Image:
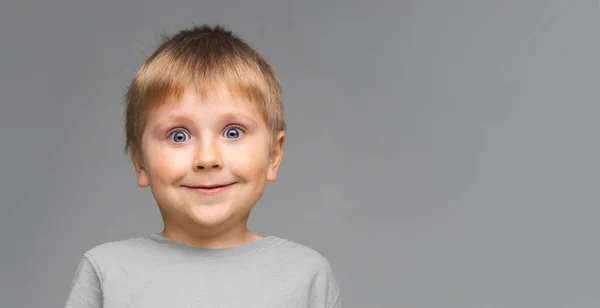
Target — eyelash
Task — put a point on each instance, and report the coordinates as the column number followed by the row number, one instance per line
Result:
column 235, row 126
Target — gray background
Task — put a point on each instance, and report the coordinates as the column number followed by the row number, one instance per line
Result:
column 440, row 153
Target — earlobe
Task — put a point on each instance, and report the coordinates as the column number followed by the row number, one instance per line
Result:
column 142, row 178
column 140, row 171
column 276, row 156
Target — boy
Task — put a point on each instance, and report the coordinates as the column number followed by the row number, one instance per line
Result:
column 205, row 130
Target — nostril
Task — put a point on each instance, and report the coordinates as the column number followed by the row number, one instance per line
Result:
column 216, row 166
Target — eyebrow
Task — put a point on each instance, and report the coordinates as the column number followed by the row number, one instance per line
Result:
column 235, row 115
column 227, row 116
column 177, row 117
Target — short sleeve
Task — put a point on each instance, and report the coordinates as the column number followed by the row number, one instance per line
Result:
column 86, row 288
column 333, row 295
column 325, row 290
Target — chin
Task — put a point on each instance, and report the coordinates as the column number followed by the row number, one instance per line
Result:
column 210, row 216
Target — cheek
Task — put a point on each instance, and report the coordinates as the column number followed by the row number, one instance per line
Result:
column 249, row 163
column 167, row 166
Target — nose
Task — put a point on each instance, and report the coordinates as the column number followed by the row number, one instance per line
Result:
column 207, row 155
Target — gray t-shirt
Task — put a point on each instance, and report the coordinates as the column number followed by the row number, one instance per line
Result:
column 155, row 272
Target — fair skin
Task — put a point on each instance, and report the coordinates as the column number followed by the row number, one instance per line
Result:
column 207, row 163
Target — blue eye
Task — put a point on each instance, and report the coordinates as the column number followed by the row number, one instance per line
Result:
column 233, row 133
column 179, row 136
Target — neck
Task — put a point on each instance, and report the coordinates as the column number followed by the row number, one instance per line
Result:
column 213, row 239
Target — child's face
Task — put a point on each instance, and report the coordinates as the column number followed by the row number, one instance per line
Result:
column 193, row 145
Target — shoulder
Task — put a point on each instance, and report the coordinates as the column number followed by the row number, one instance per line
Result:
column 295, row 252
column 115, row 252
column 302, row 259
column 123, row 246
column 313, row 269
column 95, row 262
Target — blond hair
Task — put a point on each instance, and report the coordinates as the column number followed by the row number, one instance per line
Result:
column 205, row 58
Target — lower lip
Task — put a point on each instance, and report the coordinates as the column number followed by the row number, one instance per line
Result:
column 210, row 191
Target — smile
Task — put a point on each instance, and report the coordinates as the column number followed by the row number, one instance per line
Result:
column 209, row 190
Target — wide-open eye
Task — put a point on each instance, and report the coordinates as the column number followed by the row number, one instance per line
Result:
column 233, row 133
column 179, row 136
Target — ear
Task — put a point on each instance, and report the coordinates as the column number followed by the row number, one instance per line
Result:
column 140, row 171
column 276, row 156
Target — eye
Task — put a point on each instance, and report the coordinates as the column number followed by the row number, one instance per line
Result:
column 233, row 133
column 179, row 136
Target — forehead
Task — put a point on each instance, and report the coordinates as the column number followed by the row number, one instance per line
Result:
column 219, row 100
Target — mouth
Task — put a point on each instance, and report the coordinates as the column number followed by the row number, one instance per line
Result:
column 210, row 189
